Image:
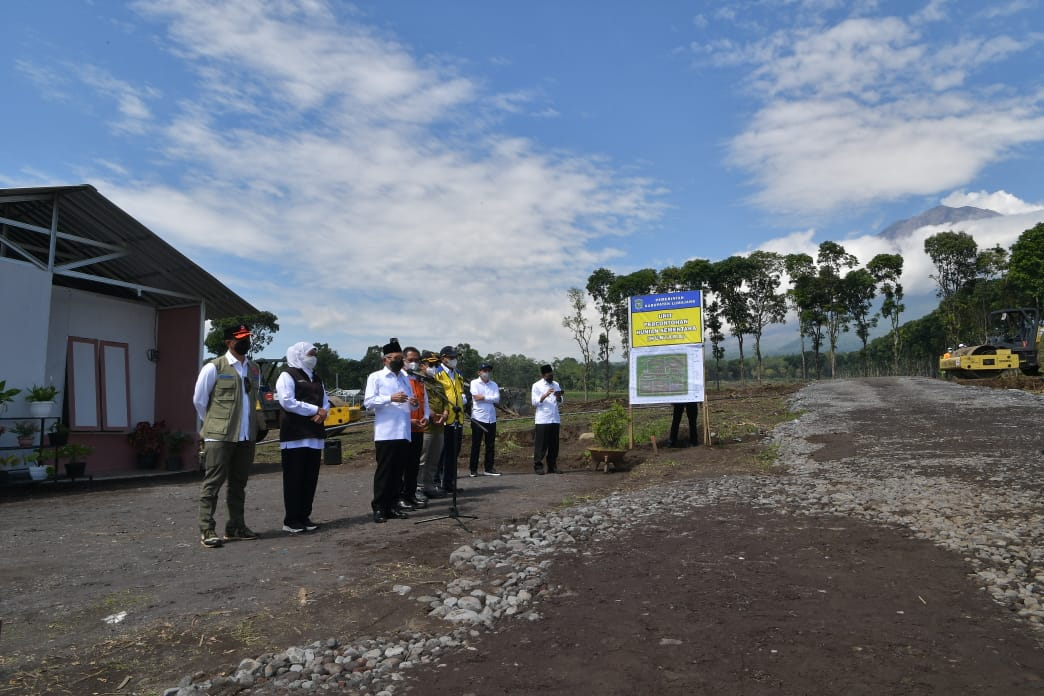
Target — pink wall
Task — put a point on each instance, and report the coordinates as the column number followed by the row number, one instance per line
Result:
column 178, row 365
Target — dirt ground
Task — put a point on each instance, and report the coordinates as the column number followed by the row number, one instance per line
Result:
column 728, row 599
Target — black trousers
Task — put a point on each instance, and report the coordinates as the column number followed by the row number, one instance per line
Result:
column 453, row 435
column 692, row 409
column 478, row 437
column 409, row 475
column 392, row 456
column 545, row 443
column 300, row 478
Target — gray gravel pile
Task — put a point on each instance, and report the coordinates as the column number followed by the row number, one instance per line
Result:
column 985, row 507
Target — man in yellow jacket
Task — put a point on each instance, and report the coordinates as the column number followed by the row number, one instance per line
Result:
column 453, row 385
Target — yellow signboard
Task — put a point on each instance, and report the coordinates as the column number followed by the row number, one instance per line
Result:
column 669, row 319
column 667, row 328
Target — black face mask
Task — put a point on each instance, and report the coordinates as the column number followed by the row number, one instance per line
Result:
column 395, row 365
column 549, row 379
column 242, row 346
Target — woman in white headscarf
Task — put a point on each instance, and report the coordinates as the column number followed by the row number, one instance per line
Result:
column 301, row 435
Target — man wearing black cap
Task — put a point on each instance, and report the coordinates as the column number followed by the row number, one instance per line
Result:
column 546, row 395
column 225, row 398
column 486, row 395
column 453, row 385
column 389, row 396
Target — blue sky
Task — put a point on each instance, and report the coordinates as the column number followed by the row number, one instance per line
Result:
column 444, row 172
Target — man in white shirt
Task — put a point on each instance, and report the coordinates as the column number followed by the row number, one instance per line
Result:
column 389, row 396
column 546, row 395
column 485, row 395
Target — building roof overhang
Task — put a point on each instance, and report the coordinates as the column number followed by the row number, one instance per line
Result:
column 87, row 242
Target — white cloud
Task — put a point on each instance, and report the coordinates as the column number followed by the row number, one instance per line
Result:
column 998, row 201
column 130, row 101
column 870, row 109
column 341, row 182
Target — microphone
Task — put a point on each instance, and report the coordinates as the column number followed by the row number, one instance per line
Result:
column 424, row 376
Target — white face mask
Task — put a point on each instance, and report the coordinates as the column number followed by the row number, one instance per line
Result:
column 430, row 371
column 484, row 376
column 452, row 363
column 310, row 361
column 412, row 366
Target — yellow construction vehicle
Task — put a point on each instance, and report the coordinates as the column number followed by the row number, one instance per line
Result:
column 341, row 412
column 1012, row 341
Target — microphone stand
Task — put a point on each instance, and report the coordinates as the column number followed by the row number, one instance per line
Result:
column 454, row 511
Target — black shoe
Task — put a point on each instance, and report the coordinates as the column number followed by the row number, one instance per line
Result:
column 417, row 503
column 311, row 526
column 240, row 534
column 294, row 528
column 539, row 471
column 398, row 514
column 472, row 474
column 378, row 516
column 552, row 470
column 403, row 505
column 434, row 493
column 491, row 472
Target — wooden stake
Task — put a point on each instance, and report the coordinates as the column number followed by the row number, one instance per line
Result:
column 706, row 425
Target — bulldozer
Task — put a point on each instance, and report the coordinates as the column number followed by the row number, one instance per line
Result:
column 1013, row 339
column 341, row 413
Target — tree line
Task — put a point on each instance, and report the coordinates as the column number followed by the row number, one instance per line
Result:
column 830, row 295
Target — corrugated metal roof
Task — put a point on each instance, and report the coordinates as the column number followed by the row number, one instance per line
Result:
column 101, row 248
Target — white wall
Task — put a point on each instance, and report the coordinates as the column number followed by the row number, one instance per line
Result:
column 87, row 315
column 25, row 298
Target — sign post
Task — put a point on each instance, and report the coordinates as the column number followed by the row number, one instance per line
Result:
column 666, row 359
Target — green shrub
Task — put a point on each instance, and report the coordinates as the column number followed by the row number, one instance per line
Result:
column 610, row 427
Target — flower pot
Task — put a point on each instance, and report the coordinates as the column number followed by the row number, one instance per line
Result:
column 174, row 462
column 40, row 409
column 38, row 473
column 26, row 441
column 147, row 460
column 75, row 469
column 607, row 459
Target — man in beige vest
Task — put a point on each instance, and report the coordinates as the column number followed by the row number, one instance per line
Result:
column 225, row 397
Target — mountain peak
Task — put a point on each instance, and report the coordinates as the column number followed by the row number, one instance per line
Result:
column 939, row 215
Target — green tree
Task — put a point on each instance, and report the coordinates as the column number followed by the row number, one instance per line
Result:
column 263, row 328
column 599, row 284
column 832, row 259
column 859, row 290
column 713, row 325
column 954, row 256
column 1026, row 268
column 581, row 330
column 801, row 269
column 886, row 270
column 765, row 306
column 730, row 275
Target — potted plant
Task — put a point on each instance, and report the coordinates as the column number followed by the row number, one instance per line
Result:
column 41, row 400
column 147, row 441
column 6, row 462
column 57, row 434
column 77, row 459
column 176, row 442
column 610, row 432
column 7, row 395
column 37, row 471
column 26, row 430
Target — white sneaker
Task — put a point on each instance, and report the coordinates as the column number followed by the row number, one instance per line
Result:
column 293, row 530
column 491, row 472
